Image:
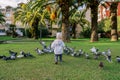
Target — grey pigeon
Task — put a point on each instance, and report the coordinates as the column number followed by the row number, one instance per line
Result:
column 118, row 58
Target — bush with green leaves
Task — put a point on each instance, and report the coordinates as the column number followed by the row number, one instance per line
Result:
column 44, row 33
column 86, row 33
column 104, row 25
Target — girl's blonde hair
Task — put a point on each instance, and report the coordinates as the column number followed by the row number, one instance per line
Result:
column 59, row 35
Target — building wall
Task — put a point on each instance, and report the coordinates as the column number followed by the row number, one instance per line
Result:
column 119, row 9
column 88, row 17
column 9, row 17
column 105, row 12
column 8, row 12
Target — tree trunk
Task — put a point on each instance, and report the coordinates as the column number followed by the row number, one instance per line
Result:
column 113, row 9
column 65, row 20
column 94, row 24
column 74, row 30
column 35, row 29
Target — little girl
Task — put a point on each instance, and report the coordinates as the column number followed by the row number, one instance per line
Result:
column 58, row 46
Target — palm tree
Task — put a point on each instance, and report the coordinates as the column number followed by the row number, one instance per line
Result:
column 62, row 8
column 79, row 18
column 29, row 17
column 93, row 5
column 64, row 5
column 94, row 18
column 113, row 17
column 2, row 20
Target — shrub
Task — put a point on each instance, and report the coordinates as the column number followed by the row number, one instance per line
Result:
column 86, row 33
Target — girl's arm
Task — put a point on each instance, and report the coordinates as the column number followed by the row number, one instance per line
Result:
column 53, row 45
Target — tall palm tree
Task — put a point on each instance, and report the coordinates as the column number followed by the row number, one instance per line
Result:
column 63, row 6
column 93, row 5
column 94, row 18
column 2, row 20
column 68, row 7
column 113, row 17
column 30, row 17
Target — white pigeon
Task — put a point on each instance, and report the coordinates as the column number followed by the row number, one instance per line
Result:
column 104, row 54
column 93, row 50
column 39, row 51
column 21, row 55
column 107, row 55
column 109, row 52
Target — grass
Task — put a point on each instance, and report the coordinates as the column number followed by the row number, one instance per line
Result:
column 42, row 67
column 5, row 38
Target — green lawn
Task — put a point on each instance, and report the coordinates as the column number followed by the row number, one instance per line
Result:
column 42, row 67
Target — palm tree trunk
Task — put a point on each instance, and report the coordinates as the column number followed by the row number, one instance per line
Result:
column 35, row 29
column 113, row 9
column 94, row 24
column 74, row 30
column 65, row 20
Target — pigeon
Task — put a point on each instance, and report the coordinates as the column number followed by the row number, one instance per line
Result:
column 6, row 58
column 74, row 54
column 81, row 52
column 2, row 57
column 12, row 55
column 109, row 55
column 101, row 65
column 66, row 50
column 47, row 50
column 109, row 59
column 87, row 56
column 95, row 56
column 21, row 55
column 43, row 44
column 29, row 54
column 94, row 50
column 39, row 51
column 104, row 54
column 118, row 58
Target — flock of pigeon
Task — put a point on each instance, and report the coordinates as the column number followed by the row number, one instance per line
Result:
column 67, row 50
column 71, row 51
column 96, row 53
column 13, row 55
column 106, row 54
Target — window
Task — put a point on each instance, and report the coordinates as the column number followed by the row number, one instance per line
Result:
column 7, row 10
column 7, row 14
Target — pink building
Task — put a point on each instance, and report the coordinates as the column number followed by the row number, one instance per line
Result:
column 105, row 12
